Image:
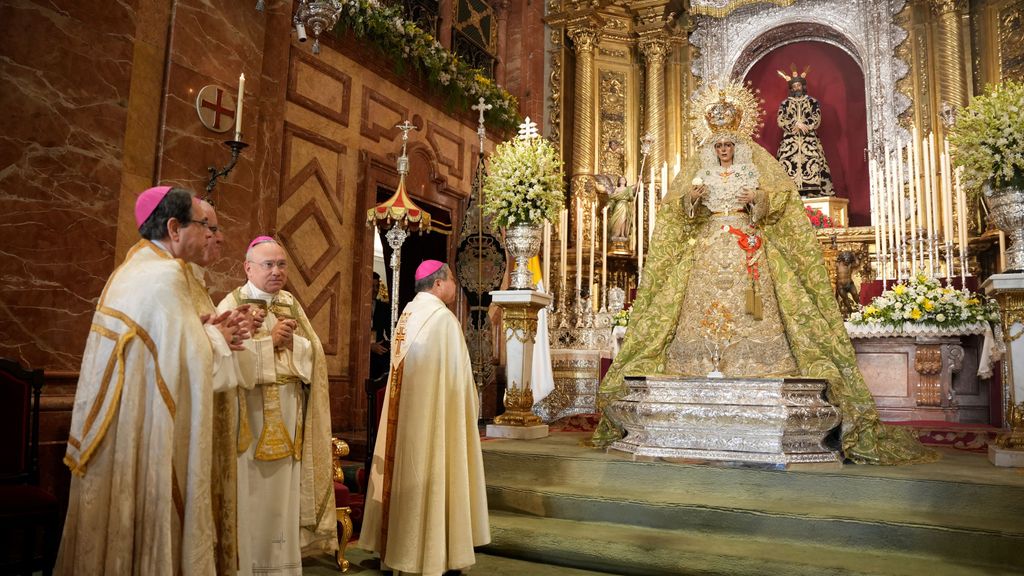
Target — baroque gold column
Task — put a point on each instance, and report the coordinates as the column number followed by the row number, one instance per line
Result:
column 655, row 50
column 584, row 38
column 949, row 69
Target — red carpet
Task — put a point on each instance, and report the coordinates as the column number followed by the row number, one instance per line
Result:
column 973, row 437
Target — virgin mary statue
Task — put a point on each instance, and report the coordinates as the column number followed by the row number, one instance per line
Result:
column 732, row 239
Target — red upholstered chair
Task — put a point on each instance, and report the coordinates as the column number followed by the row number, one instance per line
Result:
column 29, row 517
column 349, row 506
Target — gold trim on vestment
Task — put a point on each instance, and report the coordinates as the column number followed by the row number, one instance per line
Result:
column 391, row 433
column 179, row 502
column 244, row 432
column 274, row 442
column 160, row 383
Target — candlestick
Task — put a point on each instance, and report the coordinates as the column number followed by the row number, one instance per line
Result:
column 962, row 210
column 929, row 199
column 901, row 221
column 238, row 109
column 947, row 192
column 664, row 179
column 887, row 207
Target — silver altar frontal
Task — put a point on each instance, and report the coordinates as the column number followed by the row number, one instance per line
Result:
column 768, row 421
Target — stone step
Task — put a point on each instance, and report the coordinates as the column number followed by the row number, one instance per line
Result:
column 960, row 510
column 637, row 550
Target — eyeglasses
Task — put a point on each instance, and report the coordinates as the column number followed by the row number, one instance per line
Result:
column 269, row 265
column 205, row 223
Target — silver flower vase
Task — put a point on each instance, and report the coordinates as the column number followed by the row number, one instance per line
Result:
column 1006, row 212
column 523, row 242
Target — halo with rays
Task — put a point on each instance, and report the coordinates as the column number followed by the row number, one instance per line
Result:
column 725, row 106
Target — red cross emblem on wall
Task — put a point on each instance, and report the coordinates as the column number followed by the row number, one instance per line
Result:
column 216, row 108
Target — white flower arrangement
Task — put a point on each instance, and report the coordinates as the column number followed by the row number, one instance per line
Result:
column 924, row 301
column 988, row 138
column 524, row 183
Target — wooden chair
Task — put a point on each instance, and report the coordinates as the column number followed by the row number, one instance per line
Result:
column 29, row 517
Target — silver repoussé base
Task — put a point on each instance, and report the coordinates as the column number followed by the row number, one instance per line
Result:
column 1006, row 210
column 773, row 421
column 523, row 242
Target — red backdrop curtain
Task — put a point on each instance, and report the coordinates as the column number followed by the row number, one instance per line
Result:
column 837, row 82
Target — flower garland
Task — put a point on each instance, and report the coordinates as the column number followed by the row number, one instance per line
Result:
column 818, row 218
column 988, row 138
column 524, row 183
column 923, row 300
column 404, row 41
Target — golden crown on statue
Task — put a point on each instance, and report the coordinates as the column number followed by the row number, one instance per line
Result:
column 725, row 107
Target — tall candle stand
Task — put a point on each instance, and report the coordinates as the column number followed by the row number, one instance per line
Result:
column 949, row 262
column 236, row 148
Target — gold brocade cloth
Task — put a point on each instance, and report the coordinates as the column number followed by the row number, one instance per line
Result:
column 809, row 316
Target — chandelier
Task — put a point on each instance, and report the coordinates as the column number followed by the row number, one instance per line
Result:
column 316, row 16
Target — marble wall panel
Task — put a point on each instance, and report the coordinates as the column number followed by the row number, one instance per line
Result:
column 60, row 165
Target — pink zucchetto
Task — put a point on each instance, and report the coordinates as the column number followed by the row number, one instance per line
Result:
column 427, row 267
column 260, row 240
column 147, row 202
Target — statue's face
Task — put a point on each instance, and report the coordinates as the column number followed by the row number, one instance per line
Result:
column 797, row 89
column 724, row 151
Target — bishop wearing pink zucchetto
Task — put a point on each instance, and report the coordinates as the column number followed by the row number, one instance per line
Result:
column 426, row 505
column 285, row 482
column 139, row 445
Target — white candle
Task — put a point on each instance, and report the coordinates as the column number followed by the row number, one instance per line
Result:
column 947, row 195
column 912, row 170
column 579, row 247
column 546, row 270
column 876, row 222
column 238, row 109
column 890, row 220
column 664, row 179
column 901, row 222
column 604, row 257
column 961, row 208
column 929, row 197
column 640, row 232
column 563, row 240
column 593, row 243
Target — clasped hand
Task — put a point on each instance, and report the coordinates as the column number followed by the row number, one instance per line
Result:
column 282, row 333
column 233, row 324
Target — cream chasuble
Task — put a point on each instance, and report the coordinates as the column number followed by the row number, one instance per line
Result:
column 285, row 488
column 139, row 447
column 228, row 375
column 426, row 505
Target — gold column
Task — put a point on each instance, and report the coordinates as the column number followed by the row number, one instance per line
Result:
column 654, row 49
column 949, row 69
column 584, row 38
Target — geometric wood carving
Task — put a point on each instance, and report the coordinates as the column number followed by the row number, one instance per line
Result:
column 379, row 115
column 312, row 152
column 449, row 147
column 329, row 298
column 303, row 234
column 318, row 87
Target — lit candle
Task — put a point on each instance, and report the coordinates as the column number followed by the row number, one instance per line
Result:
column 604, row 257
column 890, row 234
column 947, row 194
column 901, row 222
column 238, row 110
column 579, row 247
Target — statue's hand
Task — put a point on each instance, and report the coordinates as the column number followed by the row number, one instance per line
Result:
column 697, row 191
column 747, row 195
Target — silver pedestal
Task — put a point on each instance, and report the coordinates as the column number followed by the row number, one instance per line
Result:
column 770, row 421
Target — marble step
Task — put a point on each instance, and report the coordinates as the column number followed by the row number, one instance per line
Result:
column 637, row 550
